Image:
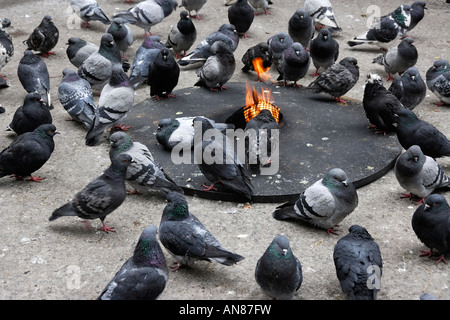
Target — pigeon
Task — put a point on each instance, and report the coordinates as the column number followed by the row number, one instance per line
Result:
column 241, row 15
column 79, row 50
column 417, row 13
column 75, row 95
column 261, row 6
column 359, row 265
column 33, row 75
column 116, row 99
column 438, row 81
column 323, row 14
column 147, row 14
column 182, row 35
column 28, row 152
column 30, row 115
column 122, row 35
column 44, row 37
column 293, row 64
column 323, row 204
column 338, row 79
column 431, row 224
column 163, row 75
column 301, row 27
column 226, row 34
column 428, row 296
column 439, row 67
column 222, row 165
column 411, row 130
column 179, row 132
column 409, row 88
column 89, row 10
column 418, row 174
column 380, row 105
column 398, row 59
column 277, row 44
column 217, row 69
column 144, row 275
column 193, row 5
column 278, row 271
column 386, row 29
column 6, row 44
column 101, row 196
column 257, row 55
column 324, row 50
column 187, row 239
column 145, row 173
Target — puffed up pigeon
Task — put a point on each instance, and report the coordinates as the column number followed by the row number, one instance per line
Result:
column 301, row 27
column 163, row 75
column 241, row 15
column 44, row 37
column 182, row 35
column 324, row 50
column 79, row 50
column 409, row 88
column 293, row 64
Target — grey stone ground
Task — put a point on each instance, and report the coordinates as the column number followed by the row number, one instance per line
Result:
column 60, row 260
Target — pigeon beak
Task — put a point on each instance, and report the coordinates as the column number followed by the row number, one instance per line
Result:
column 325, row 37
column 345, row 183
column 413, row 78
column 285, row 251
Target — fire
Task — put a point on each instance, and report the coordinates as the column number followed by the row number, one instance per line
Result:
column 258, row 65
column 254, row 103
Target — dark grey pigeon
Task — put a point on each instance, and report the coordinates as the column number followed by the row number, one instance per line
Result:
column 338, row 79
column 417, row 13
column 301, row 27
column 359, row 265
column 293, row 64
column 323, row 204
column 324, row 50
column 222, row 165
column 163, row 75
column 75, row 95
column 33, row 75
column 144, row 174
column 44, row 37
column 418, row 174
column 431, row 224
column 79, row 50
column 409, row 88
column 6, row 45
column 187, row 239
column 89, row 10
column 439, row 67
column 28, row 153
column 122, row 35
column 144, row 275
column 278, row 271
column 193, row 5
column 428, row 296
column 380, row 105
column 241, row 15
column 414, row 131
column 441, row 89
column 30, row 115
column 323, row 14
column 277, row 44
column 261, row 6
column 259, row 51
column 101, row 196
column 182, row 35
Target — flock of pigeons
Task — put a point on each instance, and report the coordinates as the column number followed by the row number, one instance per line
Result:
column 105, row 70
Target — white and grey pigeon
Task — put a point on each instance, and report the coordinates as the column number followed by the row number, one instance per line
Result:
column 418, row 174
column 439, row 67
column 182, row 35
column 122, row 35
column 6, row 44
column 323, row 204
column 417, row 13
column 79, row 50
column 89, row 10
column 187, row 239
column 277, row 44
column 144, row 275
column 75, row 95
column 241, row 15
column 323, row 14
column 261, row 6
column 193, row 5
column 409, row 88
column 301, row 27
column 44, row 37
column 359, row 264
column 438, row 81
column 144, row 174
column 293, row 64
column 398, row 59
column 278, row 271
column 324, row 50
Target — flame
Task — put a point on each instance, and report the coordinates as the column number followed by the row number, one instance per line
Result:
column 263, row 74
column 254, row 103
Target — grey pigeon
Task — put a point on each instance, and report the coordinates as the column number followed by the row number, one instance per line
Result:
column 428, row 296
column 222, row 165
column 301, row 27
column 30, row 115
column 398, row 59
column 277, row 44
column 144, row 275
column 359, row 265
column 323, row 204
column 418, row 174
column 218, row 68
column 261, row 6
column 409, row 88
column 163, row 75
column 323, row 14
column 116, row 99
column 6, row 44
column 193, row 5
column 278, row 271
column 144, row 173
column 182, row 35
column 438, row 81
column 324, row 50
column 417, row 13
column 122, row 35
column 293, row 64
column 338, row 79
column 28, row 153
column 33, row 75
column 147, row 14
column 380, row 105
column 187, row 239
column 79, row 50
column 439, row 67
column 101, row 196
column 89, row 10
column 44, row 37
column 260, row 52
column 414, row 131
column 241, row 15
column 75, row 95
column 431, row 224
